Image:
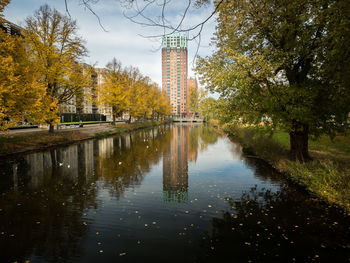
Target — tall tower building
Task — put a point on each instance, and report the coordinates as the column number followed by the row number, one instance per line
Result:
column 174, row 71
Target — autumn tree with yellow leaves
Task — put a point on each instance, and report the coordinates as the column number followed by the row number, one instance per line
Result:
column 21, row 94
column 126, row 90
column 56, row 50
column 114, row 90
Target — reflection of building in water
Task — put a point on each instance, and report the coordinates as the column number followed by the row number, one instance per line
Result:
column 175, row 167
column 69, row 162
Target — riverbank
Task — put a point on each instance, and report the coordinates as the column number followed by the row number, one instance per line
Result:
column 32, row 141
column 327, row 176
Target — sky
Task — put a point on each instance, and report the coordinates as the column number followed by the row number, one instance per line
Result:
column 123, row 39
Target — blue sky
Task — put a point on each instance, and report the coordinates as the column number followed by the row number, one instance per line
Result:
column 123, row 39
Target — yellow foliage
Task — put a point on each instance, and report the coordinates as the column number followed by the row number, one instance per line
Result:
column 19, row 87
column 126, row 90
column 55, row 49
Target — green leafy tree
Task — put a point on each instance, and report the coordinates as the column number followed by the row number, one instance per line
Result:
column 208, row 108
column 193, row 101
column 288, row 61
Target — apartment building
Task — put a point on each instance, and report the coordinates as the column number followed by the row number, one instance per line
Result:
column 174, row 71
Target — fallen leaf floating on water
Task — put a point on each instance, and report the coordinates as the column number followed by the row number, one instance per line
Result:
column 122, row 254
column 84, row 223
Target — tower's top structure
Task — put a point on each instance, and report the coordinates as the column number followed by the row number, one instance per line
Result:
column 174, row 40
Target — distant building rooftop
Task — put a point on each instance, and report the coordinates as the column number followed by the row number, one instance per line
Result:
column 174, row 40
column 10, row 28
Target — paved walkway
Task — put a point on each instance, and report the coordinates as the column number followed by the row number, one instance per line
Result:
column 87, row 129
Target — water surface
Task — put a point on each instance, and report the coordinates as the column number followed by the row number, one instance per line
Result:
column 171, row 194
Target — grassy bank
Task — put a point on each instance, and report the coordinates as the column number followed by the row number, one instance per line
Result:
column 327, row 175
column 19, row 143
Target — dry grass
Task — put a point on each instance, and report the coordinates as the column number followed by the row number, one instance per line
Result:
column 13, row 143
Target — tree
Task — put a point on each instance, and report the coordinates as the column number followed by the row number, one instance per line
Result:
column 3, row 4
column 56, row 49
column 208, row 108
column 193, row 101
column 20, row 92
column 114, row 91
column 137, row 91
column 285, row 60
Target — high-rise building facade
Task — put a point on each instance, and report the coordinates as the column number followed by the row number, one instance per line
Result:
column 174, row 71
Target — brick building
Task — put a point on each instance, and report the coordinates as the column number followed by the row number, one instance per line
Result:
column 174, row 71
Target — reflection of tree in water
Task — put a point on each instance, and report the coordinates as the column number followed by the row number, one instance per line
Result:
column 44, row 220
column 208, row 136
column 283, row 226
column 133, row 156
column 193, row 143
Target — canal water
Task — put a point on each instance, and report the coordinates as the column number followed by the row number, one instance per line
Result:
column 177, row 193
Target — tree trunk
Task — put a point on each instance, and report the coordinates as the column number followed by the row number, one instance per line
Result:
column 114, row 112
column 51, row 128
column 129, row 119
column 299, row 143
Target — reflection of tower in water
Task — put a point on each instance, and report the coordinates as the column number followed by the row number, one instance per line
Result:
column 175, row 167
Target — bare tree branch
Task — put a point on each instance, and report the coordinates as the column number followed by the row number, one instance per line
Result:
column 153, row 23
column 66, row 5
column 149, row 22
column 87, row 5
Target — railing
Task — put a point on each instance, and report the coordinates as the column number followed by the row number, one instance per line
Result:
column 186, row 119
